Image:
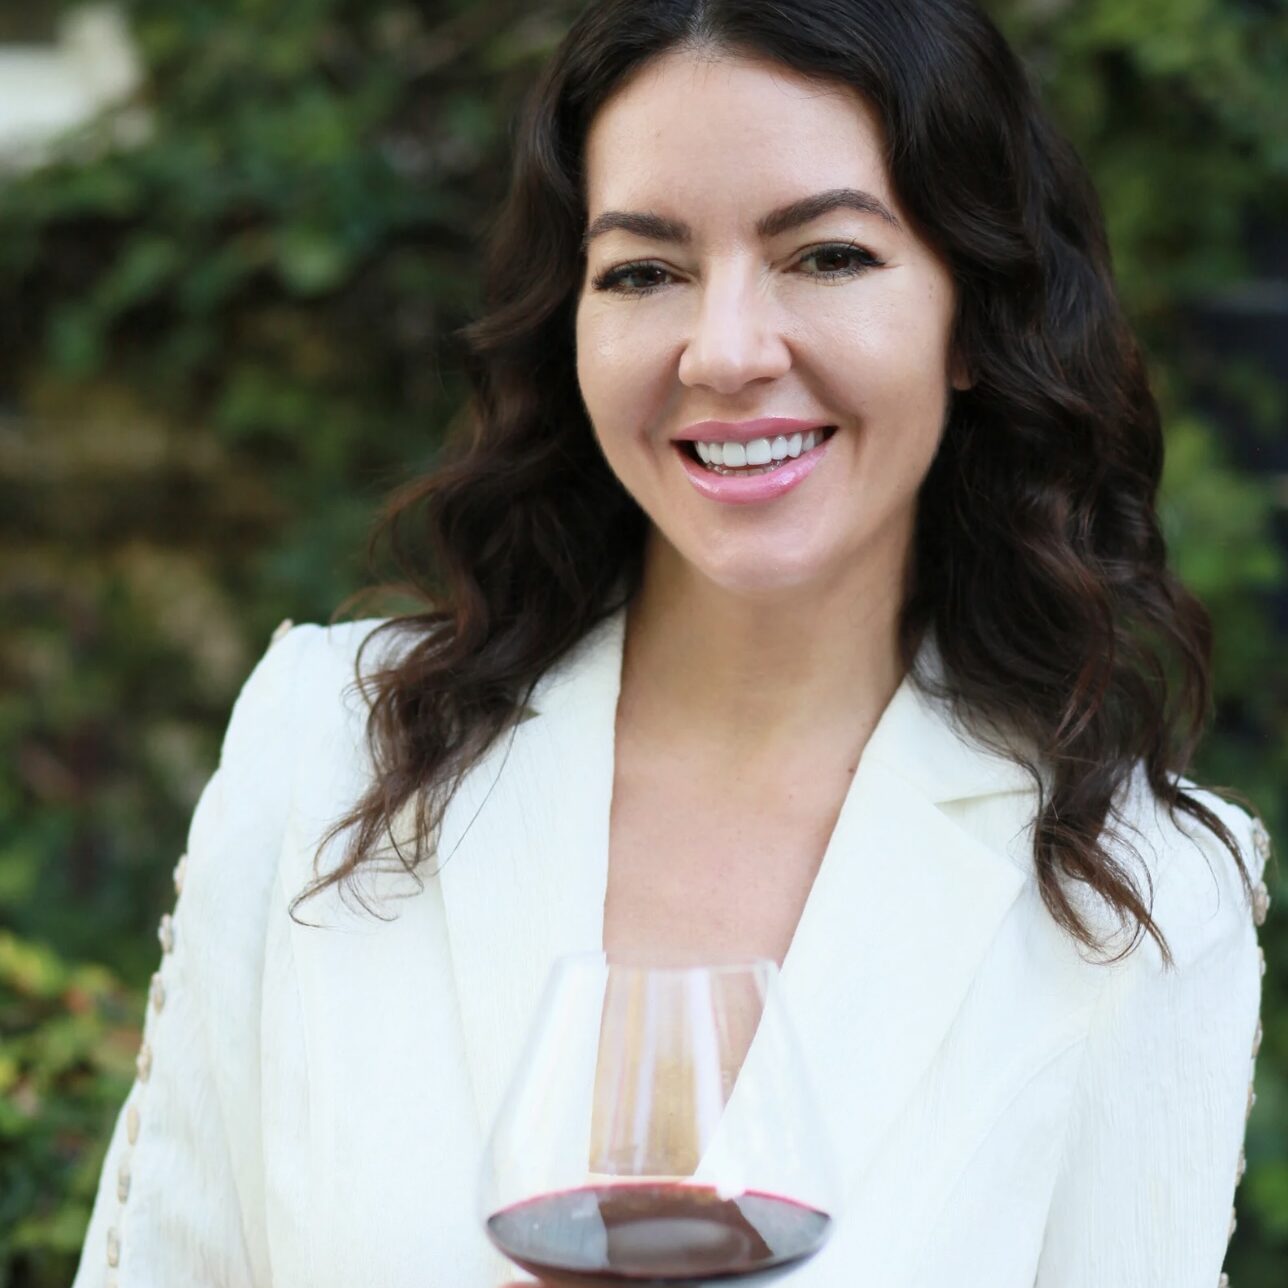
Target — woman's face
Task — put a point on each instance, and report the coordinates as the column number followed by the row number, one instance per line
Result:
column 840, row 320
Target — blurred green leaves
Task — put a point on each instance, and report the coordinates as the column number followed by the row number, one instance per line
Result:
column 65, row 1068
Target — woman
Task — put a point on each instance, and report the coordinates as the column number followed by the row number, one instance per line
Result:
column 894, row 689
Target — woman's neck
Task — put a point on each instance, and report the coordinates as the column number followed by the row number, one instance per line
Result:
column 758, row 681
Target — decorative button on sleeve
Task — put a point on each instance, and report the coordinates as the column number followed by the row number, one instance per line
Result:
column 1261, row 840
column 1260, row 903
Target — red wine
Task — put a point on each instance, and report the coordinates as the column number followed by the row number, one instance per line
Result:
column 657, row 1233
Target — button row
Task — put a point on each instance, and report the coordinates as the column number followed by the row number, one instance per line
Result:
column 143, row 1068
column 143, row 1062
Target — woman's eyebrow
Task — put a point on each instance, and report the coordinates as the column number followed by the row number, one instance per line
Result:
column 660, row 228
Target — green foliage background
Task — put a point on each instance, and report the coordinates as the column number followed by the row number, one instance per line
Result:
column 223, row 323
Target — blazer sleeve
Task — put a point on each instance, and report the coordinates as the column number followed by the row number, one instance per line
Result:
column 1154, row 1152
column 179, row 1200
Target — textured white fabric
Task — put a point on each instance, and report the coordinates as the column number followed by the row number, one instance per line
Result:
column 1006, row 1113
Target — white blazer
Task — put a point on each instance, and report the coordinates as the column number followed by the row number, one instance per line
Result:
column 311, row 1104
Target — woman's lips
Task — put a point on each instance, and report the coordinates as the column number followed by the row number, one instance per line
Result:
column 732, row 489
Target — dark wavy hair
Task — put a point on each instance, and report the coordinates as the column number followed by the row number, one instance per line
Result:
column 1039, row 565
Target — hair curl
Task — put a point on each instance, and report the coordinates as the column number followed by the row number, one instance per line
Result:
column 1039, row 564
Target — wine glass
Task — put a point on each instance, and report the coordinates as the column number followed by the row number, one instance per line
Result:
column 659, row 1128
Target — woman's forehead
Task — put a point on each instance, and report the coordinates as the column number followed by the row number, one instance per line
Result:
column 687, row 131
column 761, row 104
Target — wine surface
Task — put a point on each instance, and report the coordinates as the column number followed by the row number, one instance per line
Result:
column 657, row 1233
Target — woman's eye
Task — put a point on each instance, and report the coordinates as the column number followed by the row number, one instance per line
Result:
column 854, row 260
column 859, row 258
column 612, row 280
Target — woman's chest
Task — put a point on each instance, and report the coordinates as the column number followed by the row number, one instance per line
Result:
column 697, row 868
column 939, row 1015
column 700, row 865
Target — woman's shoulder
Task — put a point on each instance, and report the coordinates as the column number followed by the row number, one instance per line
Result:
column 296, row 735
column 303, row 702
column 313, row 668
column 1187, row 874
column 324, row 653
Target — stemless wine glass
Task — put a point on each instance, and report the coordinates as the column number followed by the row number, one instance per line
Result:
column 659, row 1128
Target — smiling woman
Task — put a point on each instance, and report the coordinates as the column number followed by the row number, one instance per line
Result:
column 796, row 593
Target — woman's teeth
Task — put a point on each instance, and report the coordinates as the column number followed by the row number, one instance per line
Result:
column 759, row 455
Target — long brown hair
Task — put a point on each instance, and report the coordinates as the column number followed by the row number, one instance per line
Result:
column 1039, row 564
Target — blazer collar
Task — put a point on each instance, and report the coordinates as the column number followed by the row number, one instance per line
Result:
column 903, row 907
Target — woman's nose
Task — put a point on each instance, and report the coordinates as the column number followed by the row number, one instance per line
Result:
column 736, row 336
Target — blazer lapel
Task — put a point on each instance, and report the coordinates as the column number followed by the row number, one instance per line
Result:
column 902, row 909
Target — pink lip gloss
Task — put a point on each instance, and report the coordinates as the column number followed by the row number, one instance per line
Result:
column 733, row 490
